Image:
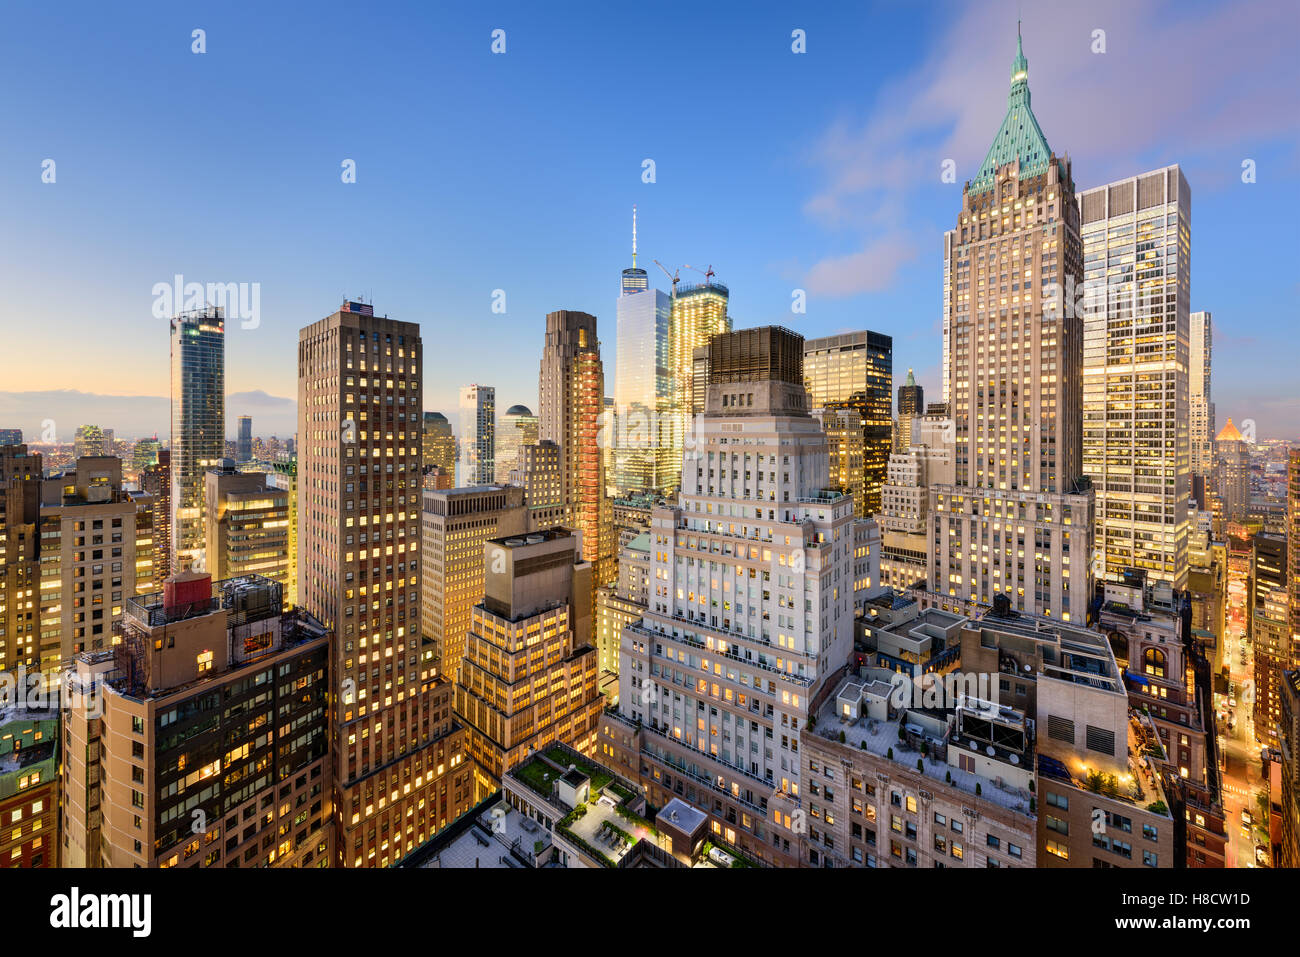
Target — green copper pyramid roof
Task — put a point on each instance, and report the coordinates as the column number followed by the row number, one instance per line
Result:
column 1019, row 137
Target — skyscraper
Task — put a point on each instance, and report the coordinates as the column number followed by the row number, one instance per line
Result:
column 755, row 532
column 911, row 403
column 455, row 524
column 87, row 516
column 284, row 476
column 1232, row 478
column 359, row 573
column 1136, row 236
column 478, row 419
column 156, row 480
column 439, row 443
column 642, row 383
column 1203, row 425
column 244, row 443
column 855, row 370
column 572, row 387
column 518, row 428
column 198, row 405
column 699, row 312
column 1014, row 522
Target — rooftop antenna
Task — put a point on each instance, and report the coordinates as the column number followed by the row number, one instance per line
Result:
column 634, row 235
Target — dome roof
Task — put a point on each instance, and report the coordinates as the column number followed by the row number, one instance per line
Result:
column 519, row 410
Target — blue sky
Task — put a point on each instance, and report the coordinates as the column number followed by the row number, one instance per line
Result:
column 478, row 172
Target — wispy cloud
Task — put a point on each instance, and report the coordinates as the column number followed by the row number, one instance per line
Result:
column 1173, row 85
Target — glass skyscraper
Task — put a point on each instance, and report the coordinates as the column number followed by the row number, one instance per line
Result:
column 856, row 371
column 198, row 405
column 642, row 385
column 1136, row 237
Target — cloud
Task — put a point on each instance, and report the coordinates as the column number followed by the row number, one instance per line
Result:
column 1172, row 86
column 872, row 269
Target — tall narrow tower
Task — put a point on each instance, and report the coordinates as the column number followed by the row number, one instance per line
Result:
column 400, row 773
column 198, row 396
column 1015, row 523
column 1136, row 236
column 642, row 383
column 572, row 390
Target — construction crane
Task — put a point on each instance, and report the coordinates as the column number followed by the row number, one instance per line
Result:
column 707, row 273
column 671, row 275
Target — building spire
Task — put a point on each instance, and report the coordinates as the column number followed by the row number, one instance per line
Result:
column 1019, row 66
column 634, row 235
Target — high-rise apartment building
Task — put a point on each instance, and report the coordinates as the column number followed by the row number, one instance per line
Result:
column 156, row 481
column 455, row 524
column 149, row 780
column 246, row 525
column 518, row 428
column 572, row 404
column 911, row 403
column 643, row 384
column 244, row 440
column 750, row 606
column 1201, row 401
column 855, row 370
column 438, row 443
column 198, row 409
column 528, row 677
column 1136, row 236
column 478, row 435
column 1232, row 473
column 97, row 550
column 21, row 644
column 699, row 312
column 1015, row 522
column 360, row 398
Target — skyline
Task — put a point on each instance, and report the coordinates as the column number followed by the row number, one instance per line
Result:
column 868, row 257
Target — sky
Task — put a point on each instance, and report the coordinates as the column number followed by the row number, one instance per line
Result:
column 517, row 171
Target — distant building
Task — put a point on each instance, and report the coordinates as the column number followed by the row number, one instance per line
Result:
column 198, row 402
column 518, row 427
column 855, row 371
column 244, row 442
column 478, row 416
column 911, row 403
column 1232, row 472
column 438, row 443
column 1203, row 427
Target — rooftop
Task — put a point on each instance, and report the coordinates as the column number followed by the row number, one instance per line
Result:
column 879, row 737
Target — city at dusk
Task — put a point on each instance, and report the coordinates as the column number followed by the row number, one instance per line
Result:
column 587, row 437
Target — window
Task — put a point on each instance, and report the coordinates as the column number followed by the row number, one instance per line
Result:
column 1058, row 849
